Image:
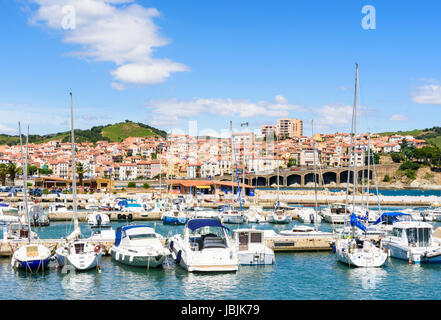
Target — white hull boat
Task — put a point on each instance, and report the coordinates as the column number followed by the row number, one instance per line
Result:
column 412, row 241
column 204, row 246
column 279, row 217
column 80, row 254
column 255, row 215
column 359, row 253
column 251, row 248
column 305, row 231
column 138, row 246
column 98, row 219
column 31, row 257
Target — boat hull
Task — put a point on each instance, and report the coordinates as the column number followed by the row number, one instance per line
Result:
column 371, row 257
column 134, row 260
column 174, row 220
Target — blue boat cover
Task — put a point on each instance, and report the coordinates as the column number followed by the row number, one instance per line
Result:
column 356, row 223
column 124, row 228
column 391, row 217
column 4, row 205
column 199, row 223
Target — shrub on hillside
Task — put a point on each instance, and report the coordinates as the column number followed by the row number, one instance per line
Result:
column 131, row 184
column 409, row 165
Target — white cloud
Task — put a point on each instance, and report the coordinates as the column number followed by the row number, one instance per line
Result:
column 153, row 73
column 398, row 117
column 343, row 88
column 221, row 107
column 338, row 115
column 280, row 99
column 6, row 130
column 118, row 31
column 428, row 93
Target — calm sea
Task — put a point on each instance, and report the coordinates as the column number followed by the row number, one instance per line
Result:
column 314, row 275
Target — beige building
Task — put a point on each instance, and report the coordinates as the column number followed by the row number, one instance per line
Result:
column 289, row 128
column 267, row 129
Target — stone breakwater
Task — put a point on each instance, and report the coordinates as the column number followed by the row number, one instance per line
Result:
column 327, row 197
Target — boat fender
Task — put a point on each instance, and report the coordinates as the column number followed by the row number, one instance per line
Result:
column 130, row 217
column 171, row 245
column 97, row 248
column 178, row 257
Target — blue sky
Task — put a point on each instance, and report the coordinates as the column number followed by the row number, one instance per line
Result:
column 166, row 62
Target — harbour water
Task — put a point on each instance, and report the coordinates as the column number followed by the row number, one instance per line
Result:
column 312, row 275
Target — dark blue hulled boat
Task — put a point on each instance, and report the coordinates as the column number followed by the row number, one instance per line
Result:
column 174, row 217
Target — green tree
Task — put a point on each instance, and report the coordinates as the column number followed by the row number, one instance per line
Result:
column 12, row 171
column 386, row 178
column 131, row 184
column 3, row 173
column 146, row 185
column 32, row 170
column 397, row 157
column 291, row 162
column 80, row 172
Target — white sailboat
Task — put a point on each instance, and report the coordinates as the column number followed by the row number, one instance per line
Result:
column 360, row 251
column 81, row 254
column 31, row 257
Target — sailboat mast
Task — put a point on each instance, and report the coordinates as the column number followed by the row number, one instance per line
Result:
column 369, row 170
column 355, row 138
column 351, row 143
column 231, row 166
column 315, row 173
column 24, row 164
column 74, row 168
column 278, row 170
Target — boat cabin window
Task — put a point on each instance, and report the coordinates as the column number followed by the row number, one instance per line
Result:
column 142, row 236
column 217, row 231
column 397, row 232
column 79, row 248
column 418, row 237
column 256, row 237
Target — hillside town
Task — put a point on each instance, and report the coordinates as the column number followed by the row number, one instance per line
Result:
column 183, row 156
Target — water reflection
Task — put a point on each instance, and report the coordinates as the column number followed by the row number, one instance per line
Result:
column 80, row 285
column 368, row 278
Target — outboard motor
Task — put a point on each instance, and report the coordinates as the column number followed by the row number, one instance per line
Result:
column 311, row 217
column 36, row 218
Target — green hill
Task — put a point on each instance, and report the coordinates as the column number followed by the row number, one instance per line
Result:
column 431, row 135
column 123, row 130
column 112, row 132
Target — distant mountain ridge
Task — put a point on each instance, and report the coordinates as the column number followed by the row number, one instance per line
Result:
column 112, row 132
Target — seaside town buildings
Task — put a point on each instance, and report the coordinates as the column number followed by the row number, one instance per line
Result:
column 184, row 156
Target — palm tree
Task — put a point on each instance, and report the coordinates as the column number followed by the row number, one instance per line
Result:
column 3, row 173
column 80, row 172
column 12, row 171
